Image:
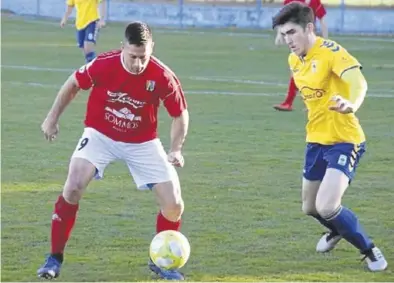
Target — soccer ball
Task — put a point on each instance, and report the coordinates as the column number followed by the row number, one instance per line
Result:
column 169, row 250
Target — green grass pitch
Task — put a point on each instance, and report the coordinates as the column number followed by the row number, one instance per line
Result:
column 242, row 179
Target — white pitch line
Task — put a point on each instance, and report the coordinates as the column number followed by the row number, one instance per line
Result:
column 33, row 84
column 37, row 68
column 241, row 81
column 195, row 78
column 44, row 85
column 265, row 35
column 213, row 31
column 253, row 82
column 211, row 92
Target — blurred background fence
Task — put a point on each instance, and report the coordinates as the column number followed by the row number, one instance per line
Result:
column 343, row 16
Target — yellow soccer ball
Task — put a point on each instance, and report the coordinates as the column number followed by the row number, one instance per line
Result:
column 169, row 250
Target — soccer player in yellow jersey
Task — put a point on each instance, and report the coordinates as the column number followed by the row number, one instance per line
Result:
column 333, row 88
column 88, row 21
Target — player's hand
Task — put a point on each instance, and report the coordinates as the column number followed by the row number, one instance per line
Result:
column 176, row 158
column 341, row 105
column 50, row 128
column 63, row 22
column 101, row 23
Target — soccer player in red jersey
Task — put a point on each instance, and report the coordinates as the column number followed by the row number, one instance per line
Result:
column 126, row 89
column 320, row 13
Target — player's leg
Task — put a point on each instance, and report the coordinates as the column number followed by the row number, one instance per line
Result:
column 169, row 198
column 287, row 105
column 88, row 160
column 342, row 162
column 80, row 36
column 314, row 170
column 150, row 169
column 89, row 45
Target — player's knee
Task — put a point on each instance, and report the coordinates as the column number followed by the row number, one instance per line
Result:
column 329, row 197
column 173, row 210
column 73, row 190
column 170, row 199
column 309, row 208
column 326, row 208
column 81, row 172
column 309, row 192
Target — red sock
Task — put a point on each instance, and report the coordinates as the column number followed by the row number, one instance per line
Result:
column 164, row 224
column 291, row 92
column 63, row 220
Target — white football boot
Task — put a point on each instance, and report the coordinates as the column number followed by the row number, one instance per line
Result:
column 327, row 242
column 375, row 260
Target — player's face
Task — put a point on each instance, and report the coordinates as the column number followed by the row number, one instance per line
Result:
column 296, row 37
column 136, row 58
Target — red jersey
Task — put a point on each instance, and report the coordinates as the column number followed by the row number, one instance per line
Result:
column 123, row 106
column 316, row 6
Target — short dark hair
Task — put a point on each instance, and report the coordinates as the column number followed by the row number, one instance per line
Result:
column 294, row 12
column 138, row 33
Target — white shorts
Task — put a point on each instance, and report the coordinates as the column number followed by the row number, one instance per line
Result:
column 147, row 161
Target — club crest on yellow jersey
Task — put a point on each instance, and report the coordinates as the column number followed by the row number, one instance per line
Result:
column 314, row 66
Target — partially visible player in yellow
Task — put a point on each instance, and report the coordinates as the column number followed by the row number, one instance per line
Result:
column 333, row 88
column 88, row 21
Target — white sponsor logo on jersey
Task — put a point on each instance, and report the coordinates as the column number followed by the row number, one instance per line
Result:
column 122, row 97
column 122, row 119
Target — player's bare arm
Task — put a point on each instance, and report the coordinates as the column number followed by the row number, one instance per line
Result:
column 66, row 15
column 358, row 88
column 66, row 94
column 179, row 128
column 103, row 12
